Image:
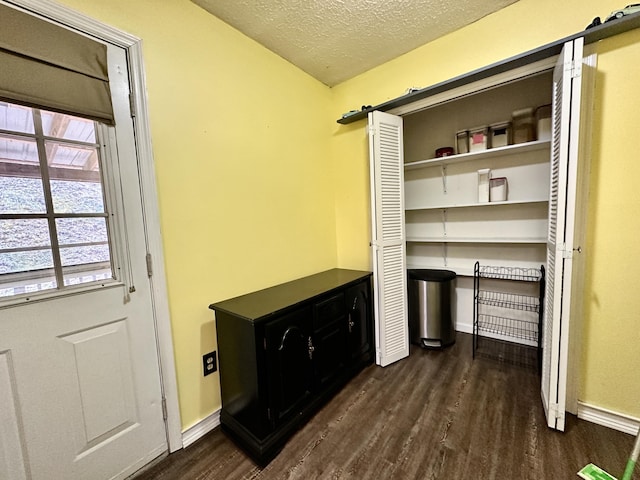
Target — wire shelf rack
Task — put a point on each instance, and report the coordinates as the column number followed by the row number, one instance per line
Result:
column 508, row 300
column 508, row 319
column 510, row 273
column 508, row 327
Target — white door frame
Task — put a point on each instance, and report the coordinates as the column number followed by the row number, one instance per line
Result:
column 133, row 45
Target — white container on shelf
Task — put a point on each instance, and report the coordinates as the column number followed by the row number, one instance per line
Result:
column 543, row 122
column 483, row 185
column 498, row 189
column 462, row 142
column 478, row 139
column 500, row 134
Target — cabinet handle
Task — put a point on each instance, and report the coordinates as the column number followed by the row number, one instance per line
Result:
column 289, row 331
column 351, row 323
column 311, row 349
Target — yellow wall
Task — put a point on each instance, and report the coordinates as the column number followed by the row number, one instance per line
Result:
column 611, row 353
column 609, row 375
column 243, row 170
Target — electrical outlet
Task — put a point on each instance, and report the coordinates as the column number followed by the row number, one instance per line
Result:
column 209, row 363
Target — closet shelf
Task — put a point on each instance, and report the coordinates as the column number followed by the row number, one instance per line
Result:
column 507, row 300
column 489, row 153
column 522, row 240
column 510, row 273
column 460, row 271
column 508, row 327
column 476, row 204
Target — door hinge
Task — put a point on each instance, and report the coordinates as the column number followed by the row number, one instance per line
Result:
column 372, row 130
column 574, row 68
column 554, row 412
column 565, row 252
column 149, row 265
column 164, row 409
column 132, row 106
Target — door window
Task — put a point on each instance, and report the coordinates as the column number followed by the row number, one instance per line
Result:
column 54, row 225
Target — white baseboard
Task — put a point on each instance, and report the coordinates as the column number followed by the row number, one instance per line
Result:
column 607, row 418
column 464, row 327
column 200, row 429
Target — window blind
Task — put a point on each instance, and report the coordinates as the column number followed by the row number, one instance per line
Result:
column 49, row 66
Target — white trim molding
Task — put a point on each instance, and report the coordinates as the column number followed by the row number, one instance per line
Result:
column 105, row 33
column 200, row 429
column 608, row 418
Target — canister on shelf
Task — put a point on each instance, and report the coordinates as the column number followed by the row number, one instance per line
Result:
column 543, row 122
column 500, row 134
column 498, row 189
column 523, row 130
column 478, row 139
column 462, row 141
column 483, row 185
column 444, row 152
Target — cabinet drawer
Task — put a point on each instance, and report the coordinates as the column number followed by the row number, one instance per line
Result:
column 328, row 310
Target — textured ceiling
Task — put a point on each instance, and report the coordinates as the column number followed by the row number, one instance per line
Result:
column 334, row 40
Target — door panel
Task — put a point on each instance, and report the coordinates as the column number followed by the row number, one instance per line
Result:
column 567, row 93
column 83, row 364
column 329, row 352
column 12, row 452
column 102, row 359
column 388, row 232
column 358, row 306
column 288, row 362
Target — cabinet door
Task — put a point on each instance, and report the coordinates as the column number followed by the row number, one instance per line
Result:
column 289, row 370
column 358, row 300
column 329, row 339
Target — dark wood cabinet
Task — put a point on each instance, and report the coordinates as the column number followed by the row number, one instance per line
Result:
column 285, row 350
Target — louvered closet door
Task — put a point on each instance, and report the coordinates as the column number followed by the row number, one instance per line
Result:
column 389, row 249
column 564, row 162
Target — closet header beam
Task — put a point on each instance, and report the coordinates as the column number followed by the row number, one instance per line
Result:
column 591, row 35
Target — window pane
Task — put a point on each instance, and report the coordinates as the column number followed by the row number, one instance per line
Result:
column 16, row 236
column 21, row 195
column 26, row 262
column 23, row 234
column 73, row 231
column 74, row 157
column 16, row 150
column 77, row 197
column 15, row 118
column 20, row 283
column 70, row 128
column 85, row 264
column 84, row 250
column 14, row 262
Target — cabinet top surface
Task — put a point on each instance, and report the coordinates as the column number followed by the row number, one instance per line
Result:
column 256, row 305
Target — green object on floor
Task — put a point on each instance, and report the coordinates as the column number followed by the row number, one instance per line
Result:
column 631, row 464
column 593, row 472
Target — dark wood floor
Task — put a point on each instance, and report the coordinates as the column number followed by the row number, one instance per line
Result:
column 435, row 415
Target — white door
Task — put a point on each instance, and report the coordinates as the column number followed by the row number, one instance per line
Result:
column 388, row 242
column 567, row 90
column 80, row 394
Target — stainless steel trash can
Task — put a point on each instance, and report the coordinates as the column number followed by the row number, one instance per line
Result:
column 431, row 293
